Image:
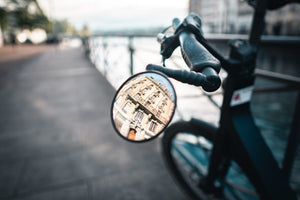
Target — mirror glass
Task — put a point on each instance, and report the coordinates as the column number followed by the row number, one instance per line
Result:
column 143, row 106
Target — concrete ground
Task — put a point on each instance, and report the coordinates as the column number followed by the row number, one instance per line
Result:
column 56, row 138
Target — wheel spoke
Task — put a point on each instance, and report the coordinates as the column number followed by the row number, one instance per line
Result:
column 233, row 187
column 188, row 154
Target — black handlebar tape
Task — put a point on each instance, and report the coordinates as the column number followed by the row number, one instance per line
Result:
column 189, row 77
column 196, row 56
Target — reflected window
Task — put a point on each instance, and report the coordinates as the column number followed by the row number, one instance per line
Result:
column 139, row 116
column 128, row 90
column 148, row 103
column 158, row 113
column 153, row 126
column 137, row 96
column 119, row 120
column 119, row 100
column 126, row 108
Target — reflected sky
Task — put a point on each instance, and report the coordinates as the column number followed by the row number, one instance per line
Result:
column 115, row 14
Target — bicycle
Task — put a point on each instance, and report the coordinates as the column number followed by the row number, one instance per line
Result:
column 205, row 160
column 236, row 139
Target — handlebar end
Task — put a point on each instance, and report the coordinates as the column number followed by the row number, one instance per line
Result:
column 213, row 79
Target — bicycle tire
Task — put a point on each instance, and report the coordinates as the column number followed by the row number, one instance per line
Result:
column 170, row 133
column 202, row 131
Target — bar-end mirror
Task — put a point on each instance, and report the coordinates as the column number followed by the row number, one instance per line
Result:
column 143, row 106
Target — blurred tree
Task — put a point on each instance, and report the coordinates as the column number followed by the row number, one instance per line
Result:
column 30, row 21
column 27, row 14
column 60, row 26
column 3, row 18
column 22, row 14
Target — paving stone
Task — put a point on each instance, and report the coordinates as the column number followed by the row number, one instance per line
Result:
column 57, row 141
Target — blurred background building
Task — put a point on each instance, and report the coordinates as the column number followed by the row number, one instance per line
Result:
column 36, row 21
column 235, row 16
column 24, row 21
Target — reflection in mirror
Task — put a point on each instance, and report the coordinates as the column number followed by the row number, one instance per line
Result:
column 143, row 106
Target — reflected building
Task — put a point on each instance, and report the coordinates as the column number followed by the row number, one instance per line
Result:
column 142, row 108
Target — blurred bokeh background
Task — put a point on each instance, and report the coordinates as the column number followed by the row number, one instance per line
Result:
column 61, row 62
column 32, row 20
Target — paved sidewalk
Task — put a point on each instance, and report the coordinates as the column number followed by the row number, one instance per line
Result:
column 13, row 53
column 56, row 138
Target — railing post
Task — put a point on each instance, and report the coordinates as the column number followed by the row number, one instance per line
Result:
column 292, row 142
column 131, row 51
column 105, row 62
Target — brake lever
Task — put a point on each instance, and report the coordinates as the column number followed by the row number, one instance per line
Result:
column 168, row 45
column 192, row 24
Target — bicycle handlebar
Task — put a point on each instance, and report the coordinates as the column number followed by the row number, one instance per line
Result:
column 196, row 56
column 188, row 36
column 209, row 80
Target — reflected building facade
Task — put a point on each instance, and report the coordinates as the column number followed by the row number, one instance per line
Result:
column 142, row 108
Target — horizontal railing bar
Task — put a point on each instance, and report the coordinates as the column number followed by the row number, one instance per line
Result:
column 275, row 89
column 291, row 80
column 266, row 39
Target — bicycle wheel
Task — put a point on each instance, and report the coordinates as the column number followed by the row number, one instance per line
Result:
column 187, row 149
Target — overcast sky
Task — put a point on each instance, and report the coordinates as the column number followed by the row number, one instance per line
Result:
column 115, row 14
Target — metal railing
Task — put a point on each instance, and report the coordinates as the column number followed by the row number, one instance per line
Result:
column 290, row 83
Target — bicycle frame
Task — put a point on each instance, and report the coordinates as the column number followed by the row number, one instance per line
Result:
column 238, row 135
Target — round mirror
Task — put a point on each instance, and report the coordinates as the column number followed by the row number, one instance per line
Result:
column 143, row 106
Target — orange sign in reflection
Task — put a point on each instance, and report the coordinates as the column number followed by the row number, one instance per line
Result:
column 131, row 135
